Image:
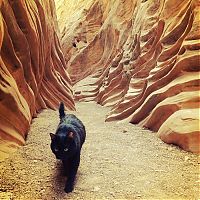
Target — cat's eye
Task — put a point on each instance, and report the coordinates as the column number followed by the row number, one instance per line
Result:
column 56, row 150
column 66, row 149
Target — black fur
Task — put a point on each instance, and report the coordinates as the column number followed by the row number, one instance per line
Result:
column 66, row 144
column 62, row 110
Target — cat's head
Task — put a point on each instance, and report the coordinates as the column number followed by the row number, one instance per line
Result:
column 62, row 145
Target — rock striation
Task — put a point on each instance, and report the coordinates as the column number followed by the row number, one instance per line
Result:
column 141, row 58
column 32, row 68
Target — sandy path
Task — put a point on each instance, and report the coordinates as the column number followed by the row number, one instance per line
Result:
column 118, row 162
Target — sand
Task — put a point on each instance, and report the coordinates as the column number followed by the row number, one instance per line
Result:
column 118, row 161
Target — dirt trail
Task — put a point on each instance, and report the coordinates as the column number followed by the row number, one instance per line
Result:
column 118, row 161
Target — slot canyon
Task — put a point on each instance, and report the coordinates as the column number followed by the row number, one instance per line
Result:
column 129, row 69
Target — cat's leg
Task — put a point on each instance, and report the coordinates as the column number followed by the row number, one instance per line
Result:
column 66, row 165
column 73, row 167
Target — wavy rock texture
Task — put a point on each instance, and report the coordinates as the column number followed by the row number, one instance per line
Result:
column 32, row 68
column 139, row 57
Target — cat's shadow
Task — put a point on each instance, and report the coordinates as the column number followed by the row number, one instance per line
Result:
column 59, row 179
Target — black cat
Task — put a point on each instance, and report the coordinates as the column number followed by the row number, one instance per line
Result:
column 66, row 144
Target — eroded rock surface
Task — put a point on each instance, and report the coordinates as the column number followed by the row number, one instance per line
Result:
column 141, row 58
column 32, row 67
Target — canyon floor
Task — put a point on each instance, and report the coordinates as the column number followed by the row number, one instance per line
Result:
column 118, row 161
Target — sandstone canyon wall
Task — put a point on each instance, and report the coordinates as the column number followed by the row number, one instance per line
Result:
column 139, row 57
column 32, row 67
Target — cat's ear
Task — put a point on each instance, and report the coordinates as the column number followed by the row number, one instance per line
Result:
column 52, row 136
column 71, row 135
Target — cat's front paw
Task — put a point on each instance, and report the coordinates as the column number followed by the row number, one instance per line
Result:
column 69, row 188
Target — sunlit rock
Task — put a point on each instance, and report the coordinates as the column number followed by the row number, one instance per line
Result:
column 32, row 68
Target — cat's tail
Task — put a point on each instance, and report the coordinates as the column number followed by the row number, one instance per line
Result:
column 62, row 110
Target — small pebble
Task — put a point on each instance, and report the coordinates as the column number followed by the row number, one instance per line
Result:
column 96, row 188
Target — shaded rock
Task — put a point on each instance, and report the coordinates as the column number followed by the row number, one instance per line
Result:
column 158, row 87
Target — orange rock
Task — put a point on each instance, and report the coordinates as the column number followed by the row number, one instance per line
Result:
column 142, row 59
column 32, row 68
